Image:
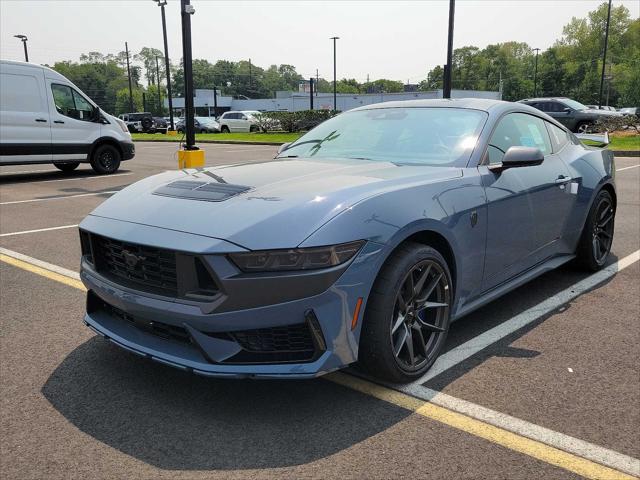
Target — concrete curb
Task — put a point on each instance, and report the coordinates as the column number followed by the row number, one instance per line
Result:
column 224, row 142
column 626, row 153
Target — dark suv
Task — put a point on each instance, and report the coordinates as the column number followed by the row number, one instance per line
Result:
column 574, row 115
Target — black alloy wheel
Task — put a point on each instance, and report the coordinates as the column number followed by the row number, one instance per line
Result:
column 407, row 315
column 106, row 159
column 597, row 236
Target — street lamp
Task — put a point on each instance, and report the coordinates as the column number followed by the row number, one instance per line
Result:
column 446, row 81
column 604, row 55
column 335, row 99
column 24, row 44
column 161, row 4
column 158, row 86
column 535, row 75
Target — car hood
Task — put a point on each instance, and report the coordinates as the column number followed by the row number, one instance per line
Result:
column 274, row 204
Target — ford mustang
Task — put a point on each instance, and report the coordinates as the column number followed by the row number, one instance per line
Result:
column 361, row 242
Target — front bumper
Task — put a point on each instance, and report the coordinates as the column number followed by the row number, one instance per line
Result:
column 128, row 150
column 326, row 309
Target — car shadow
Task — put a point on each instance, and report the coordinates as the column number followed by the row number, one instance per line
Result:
column 8, row 178
column 179, row 421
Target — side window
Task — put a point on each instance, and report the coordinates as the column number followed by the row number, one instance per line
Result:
column 70, row 103
column 555, row 107
column 559, row 138
column 542, row 106
column 518, row 129
column 224, row 116
column 242, row 116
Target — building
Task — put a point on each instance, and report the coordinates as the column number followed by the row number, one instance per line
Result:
column 207, row 105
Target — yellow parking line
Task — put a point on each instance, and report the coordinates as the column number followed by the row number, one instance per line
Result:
column 512, row 441
column 71, row 282
column 499, row 436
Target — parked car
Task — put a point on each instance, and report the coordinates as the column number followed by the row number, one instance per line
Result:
column 44, row 118
column 629, row 111
column 602, row 107
column 139, row 122
column 362, row 241
column 244, row 121
column 574, row 115
column 160, row 125
column 201, row 125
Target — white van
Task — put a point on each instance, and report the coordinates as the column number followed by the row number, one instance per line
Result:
column 44, row 118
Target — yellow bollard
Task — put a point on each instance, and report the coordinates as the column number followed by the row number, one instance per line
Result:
column 190, row 159
column 172, row 133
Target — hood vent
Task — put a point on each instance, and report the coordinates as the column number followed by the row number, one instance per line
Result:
column 205, row 191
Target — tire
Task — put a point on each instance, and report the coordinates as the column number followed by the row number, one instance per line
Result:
column 67, row 166
column 106, row 159
column 597, row 235
column 399, row 344
column 146, row 123
column 224, row 129
column 583, row 127
column 254, row 128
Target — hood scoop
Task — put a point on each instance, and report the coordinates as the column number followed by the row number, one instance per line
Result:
column 197, row 190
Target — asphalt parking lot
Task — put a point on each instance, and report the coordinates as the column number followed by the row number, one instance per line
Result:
column 544, row 383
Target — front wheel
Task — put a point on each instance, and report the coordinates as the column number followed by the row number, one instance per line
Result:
column 583, row 127
column 67, row 166
column 224, row 129
column 597, row 235
column 408, row 315
column 106, row 159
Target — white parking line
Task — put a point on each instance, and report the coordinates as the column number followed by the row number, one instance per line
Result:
column 627, row 168
column 40, row 263
column 59, row 197
column 28, row 171
column 104, row 177
column 36, row 231
column 462, row 352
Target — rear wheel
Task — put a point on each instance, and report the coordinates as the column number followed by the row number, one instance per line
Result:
column 106, row 159
column 408, row 315
column 597, row 235
column 67, row 166
column 254, row 128
column 583, row 127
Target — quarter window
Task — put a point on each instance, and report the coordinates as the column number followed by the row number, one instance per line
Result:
column 559, row 138
column 518, row 129
column 70, row 103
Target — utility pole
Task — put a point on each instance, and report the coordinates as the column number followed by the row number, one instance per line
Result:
column 144, row 101
column 535, row 75
column 191, row 156
column 249, row 74
column 158, row 87
column 604, row 55
column 126, row 49
column 335, row 85
column 311, row 93
column 317, row 81
column 215, row 101
column 24, row 39
column 161, row 4
column 446, row 87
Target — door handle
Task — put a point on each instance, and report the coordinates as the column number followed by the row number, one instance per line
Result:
column 41, row 120
column 58, row 121
column 562, row 179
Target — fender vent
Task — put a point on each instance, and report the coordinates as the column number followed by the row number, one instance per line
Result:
column 205, row 191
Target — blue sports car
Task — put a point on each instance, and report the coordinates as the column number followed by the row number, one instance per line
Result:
column 360, row 242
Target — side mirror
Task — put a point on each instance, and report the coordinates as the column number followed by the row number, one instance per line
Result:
column 566, row 110
column 518, row 156
column 283, row 147
column 95, row 115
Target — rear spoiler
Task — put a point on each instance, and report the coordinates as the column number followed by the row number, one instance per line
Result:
column 602, row 139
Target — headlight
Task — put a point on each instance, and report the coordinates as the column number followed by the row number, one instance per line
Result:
column 297, row 258
column 122, row 125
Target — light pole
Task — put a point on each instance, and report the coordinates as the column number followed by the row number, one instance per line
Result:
column 446, row 82
column 161, row 4
column 126, row 49
column 24, row 44
column 158, row 87
column 604, row 55
column 335, row 96
column 535, row 75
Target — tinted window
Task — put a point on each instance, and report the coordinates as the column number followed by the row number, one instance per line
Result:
column 20, row 93
column 70, row 103
column 554, row 107
column 559, row 137
column 542, row 106
column 418, row 136
column 518, row 129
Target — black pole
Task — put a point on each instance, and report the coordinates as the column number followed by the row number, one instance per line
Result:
column 604, row 55
column 446, row 87
column 126, row 48
column 26, row 53
column 311, row 93
column 144, row 102
column 335, row 85
column 215, row 101
column 535, row 75
column 185, row 11
column 158, row 87
column 249, row 74
column 166, row 65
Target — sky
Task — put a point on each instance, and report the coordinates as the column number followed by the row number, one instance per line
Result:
column 399, row 40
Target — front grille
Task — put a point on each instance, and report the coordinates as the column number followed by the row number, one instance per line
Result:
column 159, row 329
column 290, row 338
column 149, row 269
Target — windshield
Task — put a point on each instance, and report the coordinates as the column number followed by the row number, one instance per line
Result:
column 573, row 104
column 419, row 136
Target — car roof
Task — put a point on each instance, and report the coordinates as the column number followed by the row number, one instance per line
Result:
column 484, row 104
column 543, row 99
